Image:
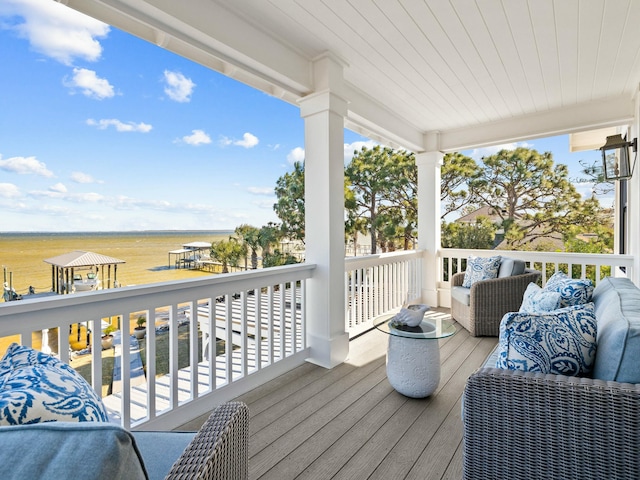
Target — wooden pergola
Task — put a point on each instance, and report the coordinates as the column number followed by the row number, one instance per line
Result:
column 63, row 269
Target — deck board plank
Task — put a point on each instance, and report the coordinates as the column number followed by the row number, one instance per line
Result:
column 349, row 423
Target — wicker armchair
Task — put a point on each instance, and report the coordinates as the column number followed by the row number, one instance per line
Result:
column 489, row 300
column 521, row 425
column 100, row 450
column 219, row 451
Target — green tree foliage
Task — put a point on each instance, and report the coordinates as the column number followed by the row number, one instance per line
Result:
column 599, row 240
column 277, row 258
column 532, row 196
column 268, row 238
column 480, row 234
column 382, row 181
column 456, row 177
column 594, row 173
column 354, row 224
column 227, row 252
column 289, row 205
column 249, row 236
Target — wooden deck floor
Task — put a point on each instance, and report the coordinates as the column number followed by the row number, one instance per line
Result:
column 349, row 423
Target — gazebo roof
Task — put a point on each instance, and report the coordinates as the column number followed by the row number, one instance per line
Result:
column 80, row 258
column 195, row 245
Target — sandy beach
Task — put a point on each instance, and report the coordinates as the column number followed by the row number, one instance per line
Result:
column 145, row 253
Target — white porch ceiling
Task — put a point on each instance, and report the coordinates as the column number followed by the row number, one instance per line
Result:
column 417, row 73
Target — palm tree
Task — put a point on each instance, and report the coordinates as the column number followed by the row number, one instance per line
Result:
column 268, row 237
column 250, row 237
column 227, row 252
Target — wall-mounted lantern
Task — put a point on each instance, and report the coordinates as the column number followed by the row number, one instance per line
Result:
column 615, row 157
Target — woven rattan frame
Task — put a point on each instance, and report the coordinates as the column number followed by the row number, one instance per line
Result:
column 219, row 451
column 520, row 425
column 489, row 301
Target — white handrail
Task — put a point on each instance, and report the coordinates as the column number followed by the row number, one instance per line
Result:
column 377, row 284
column 258, row 316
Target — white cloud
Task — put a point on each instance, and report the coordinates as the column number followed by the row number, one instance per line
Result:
column 120, row 126
column 260, row 190
column 178, row 87
column 349, row 148
column 55, row 30
column 268, row 204
column 25, row 166
column 88, row 197
column 58, row 188
column 296, row 155
column 478, row 153
column 248, row 141
column 80, row 177
column 9, row 190
column 90, row 84
column 197, row 137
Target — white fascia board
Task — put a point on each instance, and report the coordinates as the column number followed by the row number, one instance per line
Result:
column 212, row 32
column 609, row 112
column 369, row 118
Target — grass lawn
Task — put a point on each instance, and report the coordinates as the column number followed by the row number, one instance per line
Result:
column 83, row 363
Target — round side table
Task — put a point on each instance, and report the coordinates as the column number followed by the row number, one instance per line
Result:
column 413, row 354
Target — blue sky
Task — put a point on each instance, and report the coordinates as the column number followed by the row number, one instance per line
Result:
column 101, row 131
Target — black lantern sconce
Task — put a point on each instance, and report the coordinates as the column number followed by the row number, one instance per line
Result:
column 615, row 157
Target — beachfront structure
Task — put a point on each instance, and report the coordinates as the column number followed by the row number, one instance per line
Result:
column 430, row 76
column 80, row 271
column 189, row 254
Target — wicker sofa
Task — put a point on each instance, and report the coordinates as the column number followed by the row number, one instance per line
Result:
column 98, row 450
column 523, row 425
column 480, row 308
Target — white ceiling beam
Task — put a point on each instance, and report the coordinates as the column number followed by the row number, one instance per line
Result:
column 209, row 29
column 369, row 118
column 607, row 112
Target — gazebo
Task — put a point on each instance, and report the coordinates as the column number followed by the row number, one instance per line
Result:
column 66, row 279
column 186, row 255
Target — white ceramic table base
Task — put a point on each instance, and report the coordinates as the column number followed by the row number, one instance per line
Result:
column 413, row 366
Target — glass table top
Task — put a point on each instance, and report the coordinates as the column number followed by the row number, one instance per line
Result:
column 430, row 328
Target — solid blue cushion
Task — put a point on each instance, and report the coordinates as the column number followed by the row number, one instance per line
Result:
column 68, row 450
column 37, row 387
column 160, row 450
column 479, row 268
column 510, row 267
column 617, row 303
column 561, row 342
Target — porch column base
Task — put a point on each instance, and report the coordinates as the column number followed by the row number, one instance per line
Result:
column 328, row 352
column 430, row 297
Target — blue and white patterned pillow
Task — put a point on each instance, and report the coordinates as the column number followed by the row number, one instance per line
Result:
column 479, row 268
column 561, row 342
column 537, row 300
column 572, row 291
column 36, row 387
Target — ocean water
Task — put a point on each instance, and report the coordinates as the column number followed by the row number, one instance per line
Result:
column 145, row 253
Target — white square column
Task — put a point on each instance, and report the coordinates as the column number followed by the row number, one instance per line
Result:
column 324, row 114
column 429, row 165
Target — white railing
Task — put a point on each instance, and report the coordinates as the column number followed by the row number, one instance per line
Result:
column 377, row 284
column 213, row 335
column 581, row 265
